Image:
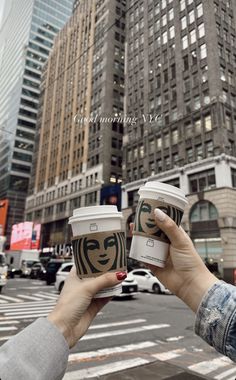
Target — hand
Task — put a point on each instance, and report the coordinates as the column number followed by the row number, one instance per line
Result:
column 76, row 308
column 185, row 274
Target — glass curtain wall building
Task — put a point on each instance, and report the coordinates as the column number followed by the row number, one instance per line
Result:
column 27, row 33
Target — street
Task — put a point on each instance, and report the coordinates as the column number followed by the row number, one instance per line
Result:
column 126, row 334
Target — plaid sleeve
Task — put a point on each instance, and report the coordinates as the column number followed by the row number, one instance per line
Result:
column 216, row 319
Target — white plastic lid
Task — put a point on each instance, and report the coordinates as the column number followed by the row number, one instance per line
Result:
column 163, row 188
column 95, row 212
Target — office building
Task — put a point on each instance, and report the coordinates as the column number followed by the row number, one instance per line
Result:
column 79, row 156
column 28, row 28
column 180, row 85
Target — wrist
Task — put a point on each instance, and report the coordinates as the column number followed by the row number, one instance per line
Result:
column 193, row 292
column 61, row 326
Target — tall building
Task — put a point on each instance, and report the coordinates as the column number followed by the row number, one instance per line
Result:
column 79, row 156
column 28, row 28
column 181, row 88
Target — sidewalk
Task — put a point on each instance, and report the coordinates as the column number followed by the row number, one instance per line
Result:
column 154, row 371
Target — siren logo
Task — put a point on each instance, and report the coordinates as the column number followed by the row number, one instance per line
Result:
column 145, row 224
column 98, row 253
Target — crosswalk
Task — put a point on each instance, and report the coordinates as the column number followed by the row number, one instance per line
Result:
column 173, row 350
column 135, row 349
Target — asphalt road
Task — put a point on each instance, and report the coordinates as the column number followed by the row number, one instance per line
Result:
column 126, row 334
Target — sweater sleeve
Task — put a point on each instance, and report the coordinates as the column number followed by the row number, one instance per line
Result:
column 216, row 319
column 38, row 352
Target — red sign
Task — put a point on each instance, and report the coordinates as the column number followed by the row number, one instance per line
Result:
column 3, row 215
column 25, row 236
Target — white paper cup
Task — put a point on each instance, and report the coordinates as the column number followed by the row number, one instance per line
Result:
column 98, row 244
column 149, row 244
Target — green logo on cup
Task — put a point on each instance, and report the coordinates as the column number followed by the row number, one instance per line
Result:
column 99, row 253
column 145, row 224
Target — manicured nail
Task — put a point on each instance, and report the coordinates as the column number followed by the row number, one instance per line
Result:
column 121, row 275
column 160, row 215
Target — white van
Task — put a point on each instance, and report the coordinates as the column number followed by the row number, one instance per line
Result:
column 16, row 259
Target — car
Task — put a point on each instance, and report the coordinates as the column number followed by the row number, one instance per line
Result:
column 61, row 275
column 38, row 271
column 26, row 267
column 51, row 270
column 147, row 281
column 129, row 287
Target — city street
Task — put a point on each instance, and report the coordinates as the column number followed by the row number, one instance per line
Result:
column 126, row 334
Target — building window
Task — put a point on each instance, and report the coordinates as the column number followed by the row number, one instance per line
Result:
column 199, row 152
column 191, row 17
column 209, row 149
column 203, row 51
column 182, row 5
column 233, row 171
column 183, row 22
column 184, row 42
column 201, row 30
column 228, row 122
column 202, row 181
column 189, row 155
column 199, row 10
column 197, row 126
column 203, row 211
column 207, row 123
column 175, row 136
column 193, row 36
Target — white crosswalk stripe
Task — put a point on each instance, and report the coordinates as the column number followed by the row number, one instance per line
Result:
column 31, row 298
column 224, row 374
column 208, row 366
column 7, row 298
column 105, row 369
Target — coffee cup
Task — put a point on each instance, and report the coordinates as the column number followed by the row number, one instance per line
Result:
column 149, row 243
column 98, row 244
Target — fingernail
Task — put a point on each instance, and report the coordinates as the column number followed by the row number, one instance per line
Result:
column 160, row 215
column 121, row 275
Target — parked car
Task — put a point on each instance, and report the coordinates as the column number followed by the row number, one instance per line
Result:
column 26, row 266
column 129, row 287
column 147, row 281
column 61, row 275
column 51, row 270
column 38, row 271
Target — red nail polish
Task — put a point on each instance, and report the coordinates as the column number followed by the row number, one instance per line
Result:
column 121, row 275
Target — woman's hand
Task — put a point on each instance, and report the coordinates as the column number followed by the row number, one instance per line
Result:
column 76, row 308
column 185, row 274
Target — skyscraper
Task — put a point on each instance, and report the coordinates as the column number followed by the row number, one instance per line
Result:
column 181, row 64
column 27, row 32
column 79, row 155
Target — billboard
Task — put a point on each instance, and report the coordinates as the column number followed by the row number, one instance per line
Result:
column 3, row 215
column 25, row 235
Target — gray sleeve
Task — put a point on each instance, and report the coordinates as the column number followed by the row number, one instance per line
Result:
column 216, row 318
column 39, row 352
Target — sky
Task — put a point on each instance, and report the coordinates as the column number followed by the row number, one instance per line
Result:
column 1, row 9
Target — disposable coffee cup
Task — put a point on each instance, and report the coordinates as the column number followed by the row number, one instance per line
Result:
column 98, row 244
column 149, row 243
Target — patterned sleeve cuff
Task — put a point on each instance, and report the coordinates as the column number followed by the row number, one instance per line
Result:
column 216, row 318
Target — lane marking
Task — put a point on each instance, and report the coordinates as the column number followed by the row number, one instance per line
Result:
column 10, row 298
column 50, row 297
column 6, row 337
column 174, row 338
column 225, row 374
column 168, row 355
column 105, row 325
column 1, row 301
column 122, row 332
column 43, row 309
column 9, row 322
column 104, row 369
column 26, row 304
column 8, row 328
column 24, row 316
column 109, row 351
column 31, row 298
column 208, row 366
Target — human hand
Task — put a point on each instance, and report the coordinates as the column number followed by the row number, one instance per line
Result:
column 185, row 274
column 76, row 308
